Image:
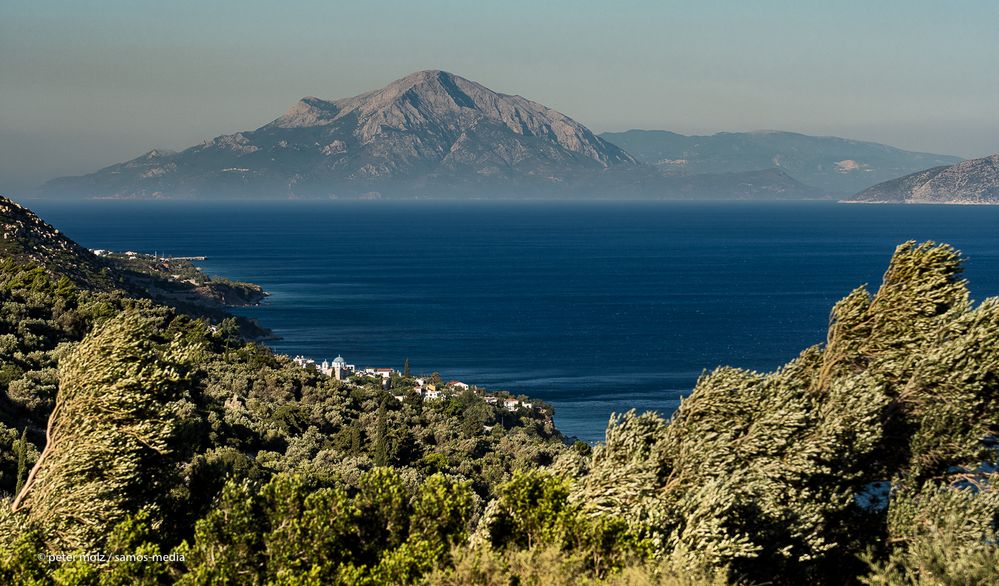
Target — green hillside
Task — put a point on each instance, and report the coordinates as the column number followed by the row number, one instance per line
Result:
column 129, row 428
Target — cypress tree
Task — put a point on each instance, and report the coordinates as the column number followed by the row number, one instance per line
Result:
column 382, row 439
column 22, row 460
column 355, row 440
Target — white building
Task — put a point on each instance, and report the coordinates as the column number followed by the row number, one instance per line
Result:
column 303, row 361
column 384, row 373
column 340, row 369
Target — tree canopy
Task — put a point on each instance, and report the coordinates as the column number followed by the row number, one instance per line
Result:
column 870, row 458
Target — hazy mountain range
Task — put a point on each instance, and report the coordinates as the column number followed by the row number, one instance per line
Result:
column 970, row 182
column 435, row 134
column 833, row 165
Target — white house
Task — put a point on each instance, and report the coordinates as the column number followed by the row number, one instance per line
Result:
column 303, row 361
column 384, row 373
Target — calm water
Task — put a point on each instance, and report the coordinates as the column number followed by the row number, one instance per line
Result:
column 593, row 307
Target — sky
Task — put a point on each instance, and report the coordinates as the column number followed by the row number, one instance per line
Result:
column 87, row 84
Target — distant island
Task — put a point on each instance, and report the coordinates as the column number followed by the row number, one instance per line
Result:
column 433, row 134
column 975, row 181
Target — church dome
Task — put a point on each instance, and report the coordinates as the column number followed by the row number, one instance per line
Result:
column 339, row 360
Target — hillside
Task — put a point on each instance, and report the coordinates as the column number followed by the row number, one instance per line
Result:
column 28, row 241
column 974, row 181
column 830, row 164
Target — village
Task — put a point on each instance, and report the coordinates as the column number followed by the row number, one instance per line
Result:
column 428, row 388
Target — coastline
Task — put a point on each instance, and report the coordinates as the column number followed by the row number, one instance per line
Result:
column 179, row 283
column 909, row 202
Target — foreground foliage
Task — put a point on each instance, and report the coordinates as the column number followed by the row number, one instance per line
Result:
column 128, row 427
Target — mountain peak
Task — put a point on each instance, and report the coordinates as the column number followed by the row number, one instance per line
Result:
column 309, row 111
column 434, row 82
column 443, row 101
column 429, row 92
column 426, row 75
column 427, row 78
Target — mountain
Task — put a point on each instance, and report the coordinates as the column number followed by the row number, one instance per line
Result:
column 973, row 181
column 429, row 133
column 834, row 165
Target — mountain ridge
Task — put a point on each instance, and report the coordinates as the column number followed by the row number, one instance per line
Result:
column 832, row 164
column 429, row 134
column 975, row 181
column 433, row 134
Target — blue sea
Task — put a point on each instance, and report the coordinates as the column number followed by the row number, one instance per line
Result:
column 594, row 307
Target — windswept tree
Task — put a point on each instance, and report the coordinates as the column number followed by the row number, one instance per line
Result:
column 121, row 409
column 794, row 475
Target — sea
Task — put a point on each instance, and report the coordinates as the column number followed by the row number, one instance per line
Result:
column 594, row 307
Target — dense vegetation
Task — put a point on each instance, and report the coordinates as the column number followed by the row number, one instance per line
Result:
column 129, row 428
column 122, row 413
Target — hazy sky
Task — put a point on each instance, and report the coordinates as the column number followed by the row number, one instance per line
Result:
column 87, row 84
